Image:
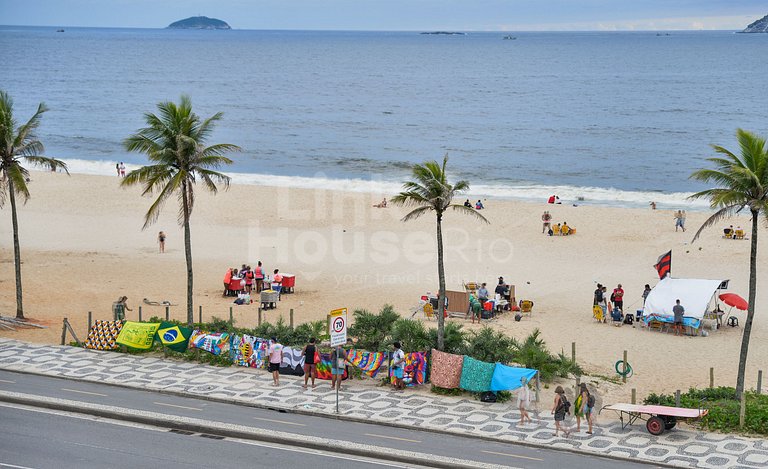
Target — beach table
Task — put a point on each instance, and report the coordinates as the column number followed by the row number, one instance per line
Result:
column 269, row 299
column 289, row 281
column 657, row 417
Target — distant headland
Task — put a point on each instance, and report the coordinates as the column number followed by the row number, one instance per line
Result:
column 446, row 33
column 199, row 22
column 759, row 26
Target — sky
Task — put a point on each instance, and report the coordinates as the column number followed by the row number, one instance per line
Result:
column 395, row 15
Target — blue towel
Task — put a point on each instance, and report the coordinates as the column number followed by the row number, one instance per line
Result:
column 508, row 378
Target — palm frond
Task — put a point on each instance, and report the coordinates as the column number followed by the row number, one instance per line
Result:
column 416, row 213
column 49, row 163
column 469, row 211
column 17, row 175
column 721, row 214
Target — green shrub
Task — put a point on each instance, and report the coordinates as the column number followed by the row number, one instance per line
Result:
column 533, row 353
column 490, row 346
column 411, row 334
column 454, row 338
column 373, row 330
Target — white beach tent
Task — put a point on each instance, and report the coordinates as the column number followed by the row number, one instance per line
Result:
column 695, row 295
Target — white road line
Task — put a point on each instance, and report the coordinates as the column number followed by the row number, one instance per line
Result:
column 177, row 406
column 512, row 455
column 2, row 464
column 85, row 392
column 281, row 421
column 293, row 449
column 6, row 381
column 391, row 437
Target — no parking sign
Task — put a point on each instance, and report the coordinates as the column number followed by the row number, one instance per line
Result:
column 337, row 326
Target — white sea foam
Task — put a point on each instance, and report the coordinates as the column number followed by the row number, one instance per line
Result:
column 568, row 194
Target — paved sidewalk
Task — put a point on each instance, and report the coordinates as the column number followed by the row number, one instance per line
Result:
column 679, row 447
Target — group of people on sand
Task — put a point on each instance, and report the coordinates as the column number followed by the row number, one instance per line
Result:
column 680, row 220
column 478, row 205
column 556, row 230
column 253, row 277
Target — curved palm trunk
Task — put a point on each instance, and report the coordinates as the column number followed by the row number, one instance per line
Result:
column 441, row 292
column 188, row 253
column 750, row 308
column 16, row 251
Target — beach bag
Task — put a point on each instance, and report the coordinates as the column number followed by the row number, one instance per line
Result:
column 590, row 400
column 613, row 297
column 598, row 296
column 564, row 406
column 629, row 319
column 488, row 396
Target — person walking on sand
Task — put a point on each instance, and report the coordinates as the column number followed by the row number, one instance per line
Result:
column 679, row 220
column 117, row 168
column 161, row 241
column 584, row 404
column 275, row 359
column 524, row 401
column 678, row 311
column 546, row 221
column 682, row 220
column 338, row 365
column 309, row 352
column 122, row 169
column 560, row 408
column 398, row 362
column 646, row 292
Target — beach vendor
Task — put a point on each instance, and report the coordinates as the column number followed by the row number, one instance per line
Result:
column 119, row 307
column 398, row 363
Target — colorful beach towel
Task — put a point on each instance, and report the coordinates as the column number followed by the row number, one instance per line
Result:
column 103, row 335
column 324, row 368
column 369, row 362
column 414, row 369
column 293, row 362
column 213, row 343
column 446, row 369
column 247, row 350
column 509, row 378
column 476, row 375
column 138, row 335
column 174, row 337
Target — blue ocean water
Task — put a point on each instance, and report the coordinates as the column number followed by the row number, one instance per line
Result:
column 607, row 116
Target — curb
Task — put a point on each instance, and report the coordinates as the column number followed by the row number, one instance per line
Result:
column 347, row 418
column 242, row 432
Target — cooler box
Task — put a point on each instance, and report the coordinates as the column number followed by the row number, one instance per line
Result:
column 289, row 281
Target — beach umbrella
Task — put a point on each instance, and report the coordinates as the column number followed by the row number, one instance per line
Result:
column 732, row 299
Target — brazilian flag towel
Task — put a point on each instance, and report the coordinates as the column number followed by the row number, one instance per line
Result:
column 174, row 337
column 138, row 335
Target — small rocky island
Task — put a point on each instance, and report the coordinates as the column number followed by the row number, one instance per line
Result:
column 199, row 22
column 759, row 26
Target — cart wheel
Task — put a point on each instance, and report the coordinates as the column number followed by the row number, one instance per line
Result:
column 669, row 422
column 655, row 425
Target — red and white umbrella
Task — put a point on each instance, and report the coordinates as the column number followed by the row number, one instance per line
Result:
column 734, row 300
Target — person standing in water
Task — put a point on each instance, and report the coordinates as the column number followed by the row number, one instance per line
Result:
column 161, row 241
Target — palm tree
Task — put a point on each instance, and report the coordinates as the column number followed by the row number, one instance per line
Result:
column 742, row 182
column 430, row 191
column 174, row 143
column 17, row 145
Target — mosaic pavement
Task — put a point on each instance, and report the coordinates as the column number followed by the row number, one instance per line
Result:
column 680, row 447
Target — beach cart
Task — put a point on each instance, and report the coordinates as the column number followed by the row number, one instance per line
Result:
column 289, row 281
column 657, row 417
column 269, row 299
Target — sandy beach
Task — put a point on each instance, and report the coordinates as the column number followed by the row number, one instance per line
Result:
column 83, row 246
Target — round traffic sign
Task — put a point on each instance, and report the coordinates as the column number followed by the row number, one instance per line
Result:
column 338, row 324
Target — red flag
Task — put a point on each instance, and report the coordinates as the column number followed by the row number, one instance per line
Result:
column 664, row 265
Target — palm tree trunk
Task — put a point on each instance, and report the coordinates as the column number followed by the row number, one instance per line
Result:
column 441, row 291
column 750, row 308
column 187, row 252
column 16, row 251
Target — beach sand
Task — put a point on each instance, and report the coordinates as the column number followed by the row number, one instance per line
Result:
column 83, row 246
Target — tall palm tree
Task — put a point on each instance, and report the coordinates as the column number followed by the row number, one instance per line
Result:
column 19, row 145
column 174, row 142
column 742, row 182
column 430, row 191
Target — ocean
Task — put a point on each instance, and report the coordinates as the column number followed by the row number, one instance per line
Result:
column 615, row 118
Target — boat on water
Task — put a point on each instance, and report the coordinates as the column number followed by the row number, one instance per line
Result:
column 510, row 37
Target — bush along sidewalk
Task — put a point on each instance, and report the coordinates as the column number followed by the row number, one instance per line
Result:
column 723, row 408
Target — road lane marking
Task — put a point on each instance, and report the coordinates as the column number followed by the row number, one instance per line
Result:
column 2, row 464
column 85, row 392
column 512, row 455
column 7, row 381
column 316, row 452
column 392, row 437
column 177, row 406
column 281, row 421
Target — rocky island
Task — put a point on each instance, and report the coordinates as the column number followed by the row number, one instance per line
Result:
column 759, row 26
column 199, row 22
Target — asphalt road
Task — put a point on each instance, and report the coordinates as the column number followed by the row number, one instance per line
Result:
column 474, row 449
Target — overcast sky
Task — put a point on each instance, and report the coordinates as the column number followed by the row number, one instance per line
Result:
column 460, row 15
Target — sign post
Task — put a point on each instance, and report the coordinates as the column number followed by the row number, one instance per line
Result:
column 337, row 329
